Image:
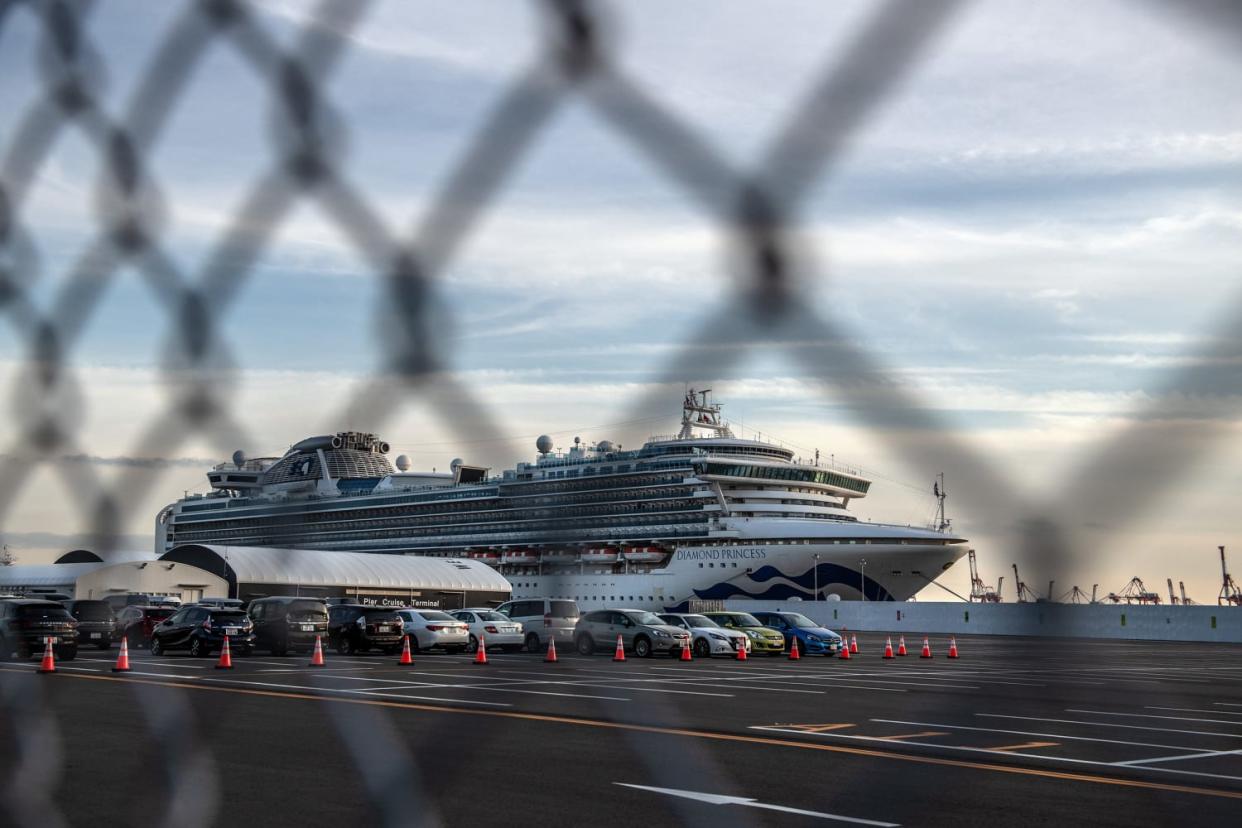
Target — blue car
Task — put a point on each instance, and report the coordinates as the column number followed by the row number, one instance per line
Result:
column 812, row 638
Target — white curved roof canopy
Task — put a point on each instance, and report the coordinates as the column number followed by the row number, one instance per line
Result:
column 312, row 567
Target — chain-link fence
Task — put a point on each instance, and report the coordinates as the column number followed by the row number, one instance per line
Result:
column 758, row 210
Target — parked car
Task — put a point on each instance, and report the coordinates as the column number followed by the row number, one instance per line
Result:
column 354, row 628
column 140, row 599
column 202, row 630
column 762, row 639
column 812, row 638
column 641, row 631
column 223, row 603
column 26, row 624
column 542, row 618
column 96, row 621
column 706, row 636
column 135, row 623
column 429, row 629
column 284, row 624
column 497, row 630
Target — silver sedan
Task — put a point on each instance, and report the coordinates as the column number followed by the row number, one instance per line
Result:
column 429, row 629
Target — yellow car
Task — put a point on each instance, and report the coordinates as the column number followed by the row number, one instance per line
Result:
column 762, row 639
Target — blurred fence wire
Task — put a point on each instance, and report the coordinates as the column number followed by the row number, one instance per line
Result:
column 757, row 210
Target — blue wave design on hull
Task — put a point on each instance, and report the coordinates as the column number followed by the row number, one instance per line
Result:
column 829, row 574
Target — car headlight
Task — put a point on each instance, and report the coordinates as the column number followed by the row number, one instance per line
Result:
column 719, row 637
column 814, row 638
column 661, row 634
column 752, row 634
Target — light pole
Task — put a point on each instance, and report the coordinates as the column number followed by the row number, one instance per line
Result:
column 862, row 579
column 816, row 557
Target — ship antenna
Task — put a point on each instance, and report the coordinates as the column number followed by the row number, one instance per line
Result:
column 942, row 522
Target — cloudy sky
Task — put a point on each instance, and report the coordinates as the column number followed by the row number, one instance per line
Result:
column 1035, row 237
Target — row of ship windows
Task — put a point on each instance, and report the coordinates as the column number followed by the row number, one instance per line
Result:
column 826, row 478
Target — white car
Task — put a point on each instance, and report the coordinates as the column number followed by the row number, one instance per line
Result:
column 429, row 629
column 707, row 637
column 497, row 630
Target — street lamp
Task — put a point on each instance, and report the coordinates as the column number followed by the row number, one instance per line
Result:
column 816, row 557
column 862, row 579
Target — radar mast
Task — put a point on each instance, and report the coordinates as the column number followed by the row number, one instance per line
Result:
column 699, row 412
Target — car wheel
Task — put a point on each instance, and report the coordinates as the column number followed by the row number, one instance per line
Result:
column 198, row 648
column 532, row 643
column 642, row 647
column 473, row 646
column 5, row 650
column 68, row 653
column 702, row 649
column 157, row 646
column 104, row 645
column 585, row 645
column 341, row 646
column 351, row 648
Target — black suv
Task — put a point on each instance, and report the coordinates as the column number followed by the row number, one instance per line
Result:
column 26, row 625
column 202, row 630
column 282, row 624
column 354, row 628
column 96, row 622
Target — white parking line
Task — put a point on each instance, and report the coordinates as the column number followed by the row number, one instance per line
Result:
column 1191, row 710
column 1114, row 724
column 301, row 688
column 1202, row 755
column 1150, row 716
column 482, row 687
column 1041, row 735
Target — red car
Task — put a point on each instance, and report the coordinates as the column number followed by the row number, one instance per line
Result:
column 137, row 623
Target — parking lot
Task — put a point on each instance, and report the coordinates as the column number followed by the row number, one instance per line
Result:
column 1124, row 733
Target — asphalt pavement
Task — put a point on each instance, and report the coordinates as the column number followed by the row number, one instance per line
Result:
column 1015, row 732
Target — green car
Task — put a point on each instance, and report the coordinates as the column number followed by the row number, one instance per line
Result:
column 762, row 639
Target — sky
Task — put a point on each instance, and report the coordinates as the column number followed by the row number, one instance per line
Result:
column 1035, row 237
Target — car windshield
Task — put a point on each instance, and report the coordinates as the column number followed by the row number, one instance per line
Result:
column 744, row 619
column 700, row 621
column 564, row 609
column 382, row 615
column 159, row 614
column 92, row 611
column 434, row 615
column 797, row 619
column 491, row 616
column 645, row 618
column 43, row 612
column 306, row 611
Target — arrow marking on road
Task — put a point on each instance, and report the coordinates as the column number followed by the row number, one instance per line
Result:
column 721, row 799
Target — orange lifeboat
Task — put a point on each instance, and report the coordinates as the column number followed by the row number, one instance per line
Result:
column 601, row 555
column 643, row 554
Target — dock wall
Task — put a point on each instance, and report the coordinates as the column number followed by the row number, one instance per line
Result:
column 1133, row 621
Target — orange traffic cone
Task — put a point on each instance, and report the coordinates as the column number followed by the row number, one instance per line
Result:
column 406, row 659
column 480, row 655
column 952, row 648
column 845, row 651
column 122, row 659
column 794, row 655
column 741, row 652
column 49, row 660
column 226, row 658
column 619, row 655
column 317, row 655
column 854, row 644
column 926, row 649
column 888, row 647
column 685, row 652
column 550, row 658
column 901, row 646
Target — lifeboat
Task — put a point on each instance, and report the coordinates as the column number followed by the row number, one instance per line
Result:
column 600, row 555
column 487, row 556
column 559, row 556
column 643, row 554
column 520, row 557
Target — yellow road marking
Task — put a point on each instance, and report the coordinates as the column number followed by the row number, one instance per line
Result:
column 1026, row 745
column 913, row 735
column 817, row 728
column 874, row 753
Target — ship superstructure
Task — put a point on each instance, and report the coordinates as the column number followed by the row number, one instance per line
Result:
column 702, row 514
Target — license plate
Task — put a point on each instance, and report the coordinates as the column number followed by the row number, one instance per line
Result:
column 308, row 628
column 96, row 635
column 383, row 628
column 232, row 630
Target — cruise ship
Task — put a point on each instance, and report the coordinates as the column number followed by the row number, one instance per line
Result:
column 702, row 515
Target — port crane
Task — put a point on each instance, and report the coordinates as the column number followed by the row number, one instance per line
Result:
column 979, row 591
column 1077, row 596
column 1186, row 602
column 1172, row 594
column 1229, row 592
column 1135, row 592
column 1025, row 593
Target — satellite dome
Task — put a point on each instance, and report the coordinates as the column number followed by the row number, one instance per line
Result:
column 239, row 457
column 605, row 445
column 456, row 463
column 544, row 444
column 832, row 596
column 403, row 463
